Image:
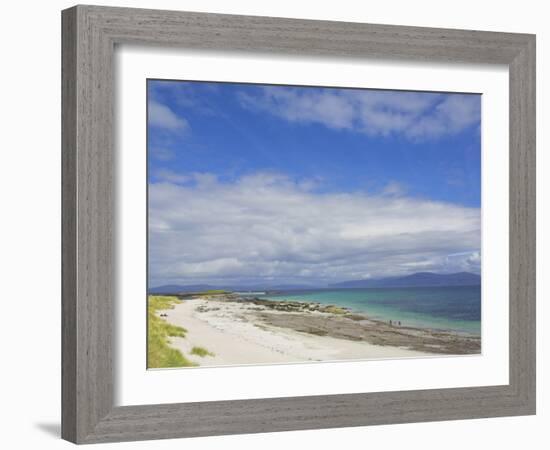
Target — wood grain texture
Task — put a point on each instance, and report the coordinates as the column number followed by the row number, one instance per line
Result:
column 523, row 224
column 89, row 36
column 68, row 226
column 88, row 209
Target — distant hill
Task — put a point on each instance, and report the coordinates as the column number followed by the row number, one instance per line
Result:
column 273, row 287
column 176, row 289
column 420, row 279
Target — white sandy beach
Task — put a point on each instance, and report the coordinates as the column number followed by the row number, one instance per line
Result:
column 229, row 331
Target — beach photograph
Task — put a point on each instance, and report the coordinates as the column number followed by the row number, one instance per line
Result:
column 302, row 224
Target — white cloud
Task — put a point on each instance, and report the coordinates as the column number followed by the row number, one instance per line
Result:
column 162, row 153
column 412, row 114
column 451, row 116
column 329, row 109
column 161, row 116
column 170, row 176
column 393, row 188
column 468, row 261
column 268, row 227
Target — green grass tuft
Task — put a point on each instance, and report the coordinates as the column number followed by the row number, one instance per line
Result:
column 201, row 351
column 159, row 352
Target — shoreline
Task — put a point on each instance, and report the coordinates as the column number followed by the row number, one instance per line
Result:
column 416, row 323
column 232, row 330
column 351, row 313
column 290, row 304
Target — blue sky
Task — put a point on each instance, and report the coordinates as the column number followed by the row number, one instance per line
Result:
column 365, row 163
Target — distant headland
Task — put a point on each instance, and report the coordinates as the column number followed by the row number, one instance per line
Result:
column 419, row 279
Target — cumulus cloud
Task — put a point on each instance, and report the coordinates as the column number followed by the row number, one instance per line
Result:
column 161, row 116
column 393, row 188
column 265, row 227
column 170, row 176
column 162, row 153
column 467, row 261
column 186, row 94
column 411, row 114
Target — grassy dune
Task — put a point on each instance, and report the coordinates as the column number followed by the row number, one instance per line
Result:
column 159, row 352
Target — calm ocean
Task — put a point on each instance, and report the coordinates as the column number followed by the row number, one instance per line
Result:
column 456, row 308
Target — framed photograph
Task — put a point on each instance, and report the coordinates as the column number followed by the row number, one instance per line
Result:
column 278, row 224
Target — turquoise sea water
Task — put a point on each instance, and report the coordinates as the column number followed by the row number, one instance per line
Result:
column 456, row 308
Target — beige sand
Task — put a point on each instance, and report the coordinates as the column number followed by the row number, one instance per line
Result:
column 232, row 332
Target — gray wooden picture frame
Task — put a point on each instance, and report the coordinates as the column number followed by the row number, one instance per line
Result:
column 90, row 34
